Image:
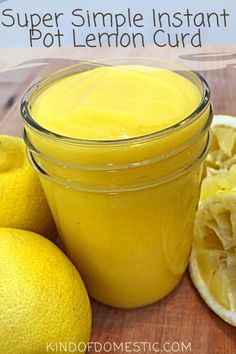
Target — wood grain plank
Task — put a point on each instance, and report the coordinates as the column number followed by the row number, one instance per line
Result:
column 180, row 317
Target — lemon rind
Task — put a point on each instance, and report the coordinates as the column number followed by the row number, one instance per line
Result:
column 226, row 315
column 223, row 119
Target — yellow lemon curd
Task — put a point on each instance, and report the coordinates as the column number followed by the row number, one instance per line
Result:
column 123, row 197
column 111, row 103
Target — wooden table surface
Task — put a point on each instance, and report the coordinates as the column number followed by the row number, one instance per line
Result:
column 180, row 317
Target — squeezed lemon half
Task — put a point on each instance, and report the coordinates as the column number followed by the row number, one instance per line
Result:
column 213, row 256
column 222, row 154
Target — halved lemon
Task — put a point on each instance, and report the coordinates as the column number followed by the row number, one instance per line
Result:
column 213, row 257
column 222, row 154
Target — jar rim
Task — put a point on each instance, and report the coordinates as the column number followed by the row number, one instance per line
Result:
column 65, row 71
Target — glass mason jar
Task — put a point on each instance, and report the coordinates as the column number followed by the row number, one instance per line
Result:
column 124, row 209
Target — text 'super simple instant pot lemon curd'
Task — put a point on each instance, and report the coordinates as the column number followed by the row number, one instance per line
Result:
column 119, row 148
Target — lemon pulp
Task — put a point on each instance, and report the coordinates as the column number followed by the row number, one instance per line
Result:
column 213, row 257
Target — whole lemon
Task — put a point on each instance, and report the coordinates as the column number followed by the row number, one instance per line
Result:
column 44, row 306
column 23, row 203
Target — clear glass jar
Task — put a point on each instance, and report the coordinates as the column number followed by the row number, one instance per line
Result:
column 124, row 209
